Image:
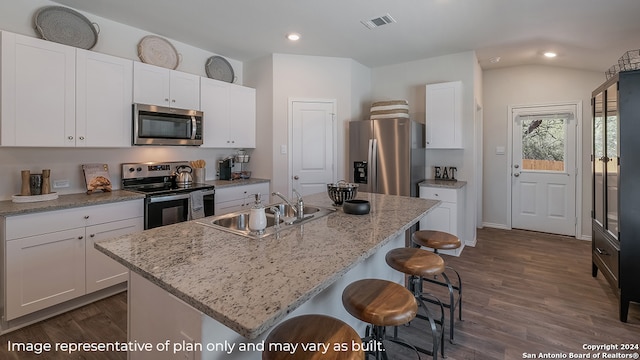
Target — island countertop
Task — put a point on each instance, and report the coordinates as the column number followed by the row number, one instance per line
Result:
column 249, row 285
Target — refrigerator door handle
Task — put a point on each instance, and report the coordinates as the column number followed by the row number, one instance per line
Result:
column 373, row 164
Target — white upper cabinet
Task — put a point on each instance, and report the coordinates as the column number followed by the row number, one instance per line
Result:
column 154, row 85
column 55, row 95
column 103, row 100
column 444, row 115
column 38, row 92
column 229, row 114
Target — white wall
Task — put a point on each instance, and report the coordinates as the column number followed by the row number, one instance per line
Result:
column 259, row 75
column 524, row 85
column 313, row 77
column 407, row 81
column 114, row 39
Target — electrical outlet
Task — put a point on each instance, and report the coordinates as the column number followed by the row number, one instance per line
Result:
column 57, row 184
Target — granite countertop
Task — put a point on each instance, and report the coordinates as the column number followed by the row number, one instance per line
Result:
column 8, row 207
column 443, row 184
column 220, row 184
column 249, row 285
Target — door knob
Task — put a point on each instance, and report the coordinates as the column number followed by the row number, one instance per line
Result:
column 296, row 177
column 516, row 174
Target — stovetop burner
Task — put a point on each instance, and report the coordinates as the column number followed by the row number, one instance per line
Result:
column 155, row 178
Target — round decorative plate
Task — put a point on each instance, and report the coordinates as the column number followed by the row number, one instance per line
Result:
column 65, row 26
column 158, row 51
column 219, row 68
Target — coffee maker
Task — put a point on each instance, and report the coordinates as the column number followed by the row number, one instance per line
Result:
column 225, row 166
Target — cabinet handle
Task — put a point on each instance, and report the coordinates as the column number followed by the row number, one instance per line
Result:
column 80, row 237
column 81, row 137
column 174, row 100
column 92, row 235
column 166, row 99
column 70, row 137
column 602, row 252
column 86, row 217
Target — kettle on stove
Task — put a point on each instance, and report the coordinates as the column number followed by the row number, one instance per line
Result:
column 183, row 176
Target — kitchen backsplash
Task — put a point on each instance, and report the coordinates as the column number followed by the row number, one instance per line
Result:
column 65, row 163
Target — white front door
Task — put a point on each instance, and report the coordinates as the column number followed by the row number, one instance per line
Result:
column 543, row 169
column 312, row 145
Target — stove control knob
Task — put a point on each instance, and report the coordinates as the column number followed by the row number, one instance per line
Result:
column 131, row 169
column 139, row 169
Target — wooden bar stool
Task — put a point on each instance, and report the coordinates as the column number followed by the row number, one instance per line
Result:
column 418, row 264
column 440, row 240
column 312, row 329
column 380, row 303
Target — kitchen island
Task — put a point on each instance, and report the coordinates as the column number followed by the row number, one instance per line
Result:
column 196, row 285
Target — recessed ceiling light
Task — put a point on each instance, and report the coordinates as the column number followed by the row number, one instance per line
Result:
column 293, row 36
column 550, row 54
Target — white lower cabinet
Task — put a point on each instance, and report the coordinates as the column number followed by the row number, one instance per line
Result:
column 50, row 258
column 237, row 198
column 449, row 216
column 102, row 271
column 44, row 270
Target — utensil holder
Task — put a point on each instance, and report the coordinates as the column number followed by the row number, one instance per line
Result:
column 199, row 175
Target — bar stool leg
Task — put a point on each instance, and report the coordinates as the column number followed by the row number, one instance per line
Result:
column 421, row 297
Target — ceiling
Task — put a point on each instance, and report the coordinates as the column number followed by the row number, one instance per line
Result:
column 586, row 34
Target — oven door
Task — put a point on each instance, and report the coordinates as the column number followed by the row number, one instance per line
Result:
column 165, row 210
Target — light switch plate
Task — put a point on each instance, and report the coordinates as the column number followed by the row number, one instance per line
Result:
column 500, row 150
column 283, row 149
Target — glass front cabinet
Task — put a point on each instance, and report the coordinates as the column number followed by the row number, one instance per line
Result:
column 616, row 186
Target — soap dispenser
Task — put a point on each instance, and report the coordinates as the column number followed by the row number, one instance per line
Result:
column 257, row 216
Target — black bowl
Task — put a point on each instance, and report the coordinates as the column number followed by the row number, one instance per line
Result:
column 356, row 207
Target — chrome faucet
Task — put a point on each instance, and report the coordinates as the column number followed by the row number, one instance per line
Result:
column 298, row 208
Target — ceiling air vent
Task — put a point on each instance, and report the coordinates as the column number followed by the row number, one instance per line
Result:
column 379, row 21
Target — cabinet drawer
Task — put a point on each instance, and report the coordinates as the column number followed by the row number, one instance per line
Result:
column 608, row 255
column 51, row 221
column 241, row 192
column 434, row 193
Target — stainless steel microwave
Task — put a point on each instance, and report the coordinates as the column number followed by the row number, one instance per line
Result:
column 157, row 125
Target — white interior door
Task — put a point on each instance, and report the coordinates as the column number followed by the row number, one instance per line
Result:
column 543, row 169
column 312, row 145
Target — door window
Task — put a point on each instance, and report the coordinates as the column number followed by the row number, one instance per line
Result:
column 544, row 143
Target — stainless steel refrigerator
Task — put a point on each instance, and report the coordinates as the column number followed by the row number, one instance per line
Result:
column 387, row 156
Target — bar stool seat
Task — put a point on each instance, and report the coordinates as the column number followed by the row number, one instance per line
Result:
column 418, row 264
column 380, row 303
column 437, row 240
column 440, row 240
column 313, row 329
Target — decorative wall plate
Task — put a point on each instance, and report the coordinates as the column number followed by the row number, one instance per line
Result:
column 219, row 68
column 65, row 26
column 158, row 51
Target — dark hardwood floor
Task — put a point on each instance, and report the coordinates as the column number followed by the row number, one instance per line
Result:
column 524, row 293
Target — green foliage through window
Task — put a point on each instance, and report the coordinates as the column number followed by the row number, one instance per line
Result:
column 543, row 139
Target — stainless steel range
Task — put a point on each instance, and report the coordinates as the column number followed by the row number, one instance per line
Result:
column 167, row 202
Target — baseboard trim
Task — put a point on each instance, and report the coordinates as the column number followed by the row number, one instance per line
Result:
column 496, row 226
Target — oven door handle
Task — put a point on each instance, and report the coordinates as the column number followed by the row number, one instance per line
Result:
column 168, row 198
column 208, row 192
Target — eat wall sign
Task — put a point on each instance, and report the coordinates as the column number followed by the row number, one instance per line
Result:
column 447, row 173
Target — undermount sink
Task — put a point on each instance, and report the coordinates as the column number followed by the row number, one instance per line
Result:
column 238, row 222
